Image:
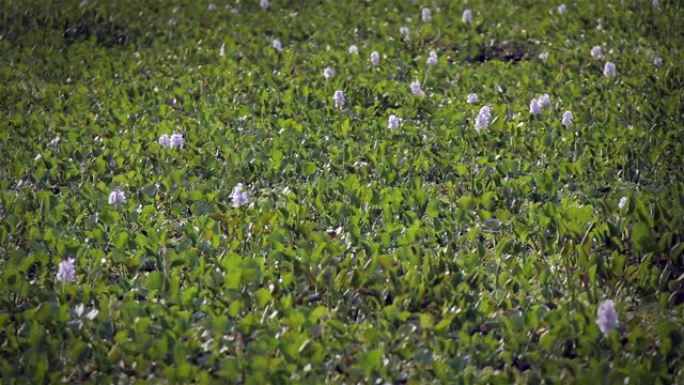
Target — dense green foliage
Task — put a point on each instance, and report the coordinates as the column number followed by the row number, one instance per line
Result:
column 432, row 253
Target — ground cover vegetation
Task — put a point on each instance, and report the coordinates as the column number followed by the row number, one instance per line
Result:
column 380, row 192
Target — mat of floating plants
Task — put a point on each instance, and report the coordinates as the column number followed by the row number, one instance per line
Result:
column 343, row 192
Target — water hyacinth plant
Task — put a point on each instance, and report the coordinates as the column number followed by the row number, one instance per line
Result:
column 467, row 16
column 426, row 14
column 328, row 73
column 275, row 43
column 393, row 122
column 67, row 270
column 375, row 58
column 416, row 88
column 566, row 120
column 117, row 197
column 609, row 69
column 483, row 118
column 535, row 107
column 238, row 196
column 235, row 192
column 432, row 59
column 606, row 317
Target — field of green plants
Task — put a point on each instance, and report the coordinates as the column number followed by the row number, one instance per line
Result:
column 345, row 192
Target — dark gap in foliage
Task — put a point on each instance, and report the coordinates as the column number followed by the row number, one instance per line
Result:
column 106, row 32
column 506, row 51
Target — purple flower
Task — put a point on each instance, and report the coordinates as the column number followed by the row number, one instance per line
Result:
column 606, row 317
column 467, row 17
column 277, row 45
column 177, row 141
column 353, row 49
column 596, row 52
column 264, row 4
column 544, row 56
column 339, row 99
column 164, row 141
column 117, row 197
column 623, row 202
column 416, row 89
column 238, row 196
column 375, row 58
column 66, row 271
column 393, row 122
column 328, row 72
column 472, row 98
column 404, row 31
column 657, row 61
column 426, row 14
column 432, row 59
column 545, row 101
column 483, row 118
column 566, row 120
column 609, row 69
column 561, row 9
column 535, row 107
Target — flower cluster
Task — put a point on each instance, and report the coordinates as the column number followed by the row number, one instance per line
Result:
column 393, row 122
column 173, row 141
column 117, row 197
column 66, row 271
column 483, row 118
column 606, row 317
column 239, row 196
column 416, row 88
column 432, row 59
column 339, row 99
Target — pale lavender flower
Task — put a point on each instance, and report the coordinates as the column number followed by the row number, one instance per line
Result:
column 117, row 197
column 238, row 196
column 658, row 61
column 472, row 98
column 353, row 49
column 66, row 271
column 264, row 4
column 404, row 31
column 566, row 120
column 164, row 141
column 177, row 141
column 467, row 17
column 277, row 45
column 416, row 89
column 375, row 58
column 393, row 122
column 623, row 202
column 596, row 52
column 211, row 7
column 426, row 14
column 483, row 118
column 339, row 99
column 656, row 3
column 544, row 56
column 606, row 317
column 545, row 101
column 535, row 107
column 328, row 72
column 561, row 9
column 432, row 59
column 609, row 69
